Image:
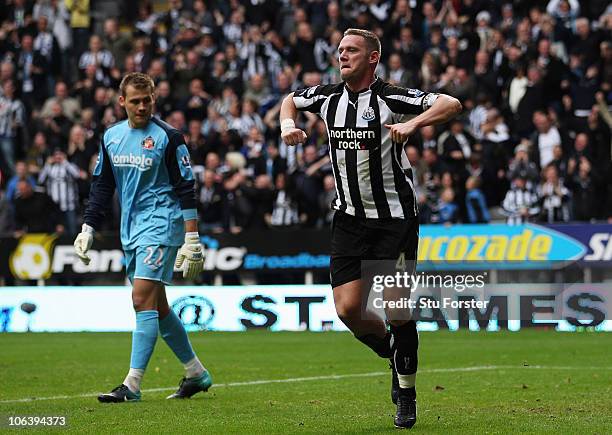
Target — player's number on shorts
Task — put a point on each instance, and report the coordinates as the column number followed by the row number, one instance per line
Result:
column 149, row 257
column 400, row 264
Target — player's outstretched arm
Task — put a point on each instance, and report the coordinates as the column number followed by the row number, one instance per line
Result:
column 442, row 110
column 288, row 114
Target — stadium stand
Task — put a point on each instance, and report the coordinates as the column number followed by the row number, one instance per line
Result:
column 534, row 77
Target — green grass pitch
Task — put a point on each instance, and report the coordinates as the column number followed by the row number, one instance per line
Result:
column 506, row 382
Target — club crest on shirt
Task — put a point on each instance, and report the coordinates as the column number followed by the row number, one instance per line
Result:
column 148, row 143
column 186, row 162
column 368, row 114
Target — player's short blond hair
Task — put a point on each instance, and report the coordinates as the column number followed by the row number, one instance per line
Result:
column 372, row 41
column 138, row 81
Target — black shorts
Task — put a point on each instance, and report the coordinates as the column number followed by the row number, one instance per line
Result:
column 355, row 239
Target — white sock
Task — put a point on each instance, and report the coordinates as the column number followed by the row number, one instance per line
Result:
column 406, row 381
column 133, row 378
column 193, row 368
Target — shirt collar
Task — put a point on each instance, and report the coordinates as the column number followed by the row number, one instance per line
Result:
column 369, row 88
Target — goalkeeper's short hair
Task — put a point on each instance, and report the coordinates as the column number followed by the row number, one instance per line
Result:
column 137, row 80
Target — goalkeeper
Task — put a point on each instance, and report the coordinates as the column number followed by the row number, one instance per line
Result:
column 147, row 161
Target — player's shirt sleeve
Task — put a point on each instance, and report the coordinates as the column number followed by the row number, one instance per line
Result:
column 73, row 170
column 311, row 99
column 102, row 189
column 44, row 174
column 406, row 100
column 181, row 175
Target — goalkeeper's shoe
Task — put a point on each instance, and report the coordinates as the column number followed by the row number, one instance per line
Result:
column 394, row 382
column 119, row 394
column 406, row 415
column 190, row 386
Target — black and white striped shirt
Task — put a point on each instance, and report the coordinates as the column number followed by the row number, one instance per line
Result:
column 12, row 115
column 284, row 211
column 372, row 173
column 260, row 58
column 103, row 60
column 517, row 200
column 60, row 181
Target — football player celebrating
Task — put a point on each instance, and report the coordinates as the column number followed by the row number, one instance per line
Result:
column 376, row 215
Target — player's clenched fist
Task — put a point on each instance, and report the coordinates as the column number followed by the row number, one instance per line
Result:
column 400, row 132
column 290, row 134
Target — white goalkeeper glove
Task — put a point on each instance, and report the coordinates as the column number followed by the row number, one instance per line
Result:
column 83, row 242
column 189, row 258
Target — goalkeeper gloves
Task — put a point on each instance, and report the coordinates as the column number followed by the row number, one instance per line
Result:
column 83, row 242
column 189, row 258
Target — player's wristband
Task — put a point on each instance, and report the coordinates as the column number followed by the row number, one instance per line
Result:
column 192, row 237
column 287, row 124
column 87, row 229
column 429, row 100
column 189, row 214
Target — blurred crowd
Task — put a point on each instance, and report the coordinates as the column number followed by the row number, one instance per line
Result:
column 532, row 145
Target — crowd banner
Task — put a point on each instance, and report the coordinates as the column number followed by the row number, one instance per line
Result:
column 455, row 247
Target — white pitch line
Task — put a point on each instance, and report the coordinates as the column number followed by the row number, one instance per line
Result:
column 283, row 381
column 323, row 378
